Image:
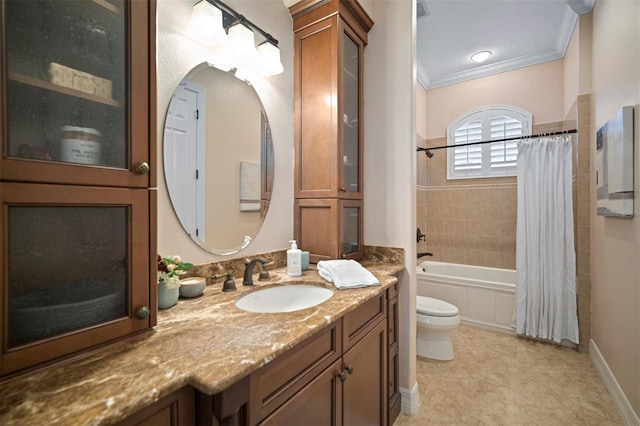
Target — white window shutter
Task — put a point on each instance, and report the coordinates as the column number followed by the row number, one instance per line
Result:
column 486, row 160
column 503, row 155
column 468, row 157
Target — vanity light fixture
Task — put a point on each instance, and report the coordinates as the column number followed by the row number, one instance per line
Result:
column 237, row 49
column 481, row 56
column 206, row 24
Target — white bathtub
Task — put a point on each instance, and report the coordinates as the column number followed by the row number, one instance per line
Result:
column 483, row 295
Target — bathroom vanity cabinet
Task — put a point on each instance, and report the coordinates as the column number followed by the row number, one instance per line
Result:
column 77, row 181
column 337, row 376
column 175, row 409
column 330, row 38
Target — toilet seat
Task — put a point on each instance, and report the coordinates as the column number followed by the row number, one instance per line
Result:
column 435, row 307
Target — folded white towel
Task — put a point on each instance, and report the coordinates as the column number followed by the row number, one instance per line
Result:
column 346, row 274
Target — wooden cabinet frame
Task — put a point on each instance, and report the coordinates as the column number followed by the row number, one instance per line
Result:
column 140, row 113
column 138, row 203
column 37, row 182
column 321, row 162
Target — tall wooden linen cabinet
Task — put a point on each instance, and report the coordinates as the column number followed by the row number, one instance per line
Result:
column 78, row 227
column 330, row 37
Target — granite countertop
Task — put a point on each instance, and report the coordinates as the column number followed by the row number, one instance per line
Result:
column 205, row 342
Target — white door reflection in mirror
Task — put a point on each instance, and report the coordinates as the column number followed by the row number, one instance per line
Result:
column 184, row 152
column 204, row 179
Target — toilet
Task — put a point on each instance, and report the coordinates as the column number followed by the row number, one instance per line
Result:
column 436, row 318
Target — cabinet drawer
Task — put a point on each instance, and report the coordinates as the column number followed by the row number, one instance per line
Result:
column 392, row 291
column 276, row 382
column 359, row 322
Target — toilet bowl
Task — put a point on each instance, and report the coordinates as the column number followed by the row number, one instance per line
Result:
column 435, row 318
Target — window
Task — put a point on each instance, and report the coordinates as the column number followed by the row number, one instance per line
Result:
column 491, row 159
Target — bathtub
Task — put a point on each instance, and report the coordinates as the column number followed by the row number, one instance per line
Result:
column 483, row 295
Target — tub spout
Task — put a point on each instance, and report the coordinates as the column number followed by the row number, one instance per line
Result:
column 424, row 254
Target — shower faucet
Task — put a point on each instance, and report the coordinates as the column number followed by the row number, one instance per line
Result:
column 421, row 236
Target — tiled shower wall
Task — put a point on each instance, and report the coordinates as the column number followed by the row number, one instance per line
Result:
column 579, row 117
column 470, row 221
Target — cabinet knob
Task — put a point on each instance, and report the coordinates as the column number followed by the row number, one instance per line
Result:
column 142, row 168
column 142, row 313
column 350, row 369
column 343, row 376
column 343, row 189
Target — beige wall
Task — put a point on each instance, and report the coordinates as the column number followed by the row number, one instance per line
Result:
column 537, row 89
column 615, row 243
column 177, row 55
column 389, row 159
column 233, row 135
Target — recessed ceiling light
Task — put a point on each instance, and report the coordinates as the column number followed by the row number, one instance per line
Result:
column 481, row 56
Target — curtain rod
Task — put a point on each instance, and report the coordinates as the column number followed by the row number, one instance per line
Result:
column 539, row 135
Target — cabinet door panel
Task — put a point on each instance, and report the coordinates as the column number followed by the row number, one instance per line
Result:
column 316, row 108
column 319, row 403
column 70, row 280
column 350, row 229
column 365, row 388
column 175, row 409
column 316, row 228
column 351, row 118
column 76, row 103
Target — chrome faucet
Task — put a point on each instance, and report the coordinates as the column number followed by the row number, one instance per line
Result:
column 248, row 270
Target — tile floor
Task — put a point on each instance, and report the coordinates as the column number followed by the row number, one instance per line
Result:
column 501, row 379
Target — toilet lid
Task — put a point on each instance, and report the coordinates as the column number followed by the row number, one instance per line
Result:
column 435, row 307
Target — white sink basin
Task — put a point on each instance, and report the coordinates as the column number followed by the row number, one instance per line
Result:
column 285, row 298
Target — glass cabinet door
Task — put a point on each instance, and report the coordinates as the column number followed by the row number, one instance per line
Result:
column 351, row 228
column 351, row 116
column 69, row 99
column 69, row 265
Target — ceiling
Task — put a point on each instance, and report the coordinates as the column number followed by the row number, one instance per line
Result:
column 519, row 33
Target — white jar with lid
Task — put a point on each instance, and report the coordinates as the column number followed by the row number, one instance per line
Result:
column 80, row 145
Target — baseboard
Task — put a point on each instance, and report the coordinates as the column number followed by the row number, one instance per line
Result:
column 410, row 400
column 629, row 417
column 488, row 325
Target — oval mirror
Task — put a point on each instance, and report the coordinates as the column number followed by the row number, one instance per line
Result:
column 218, row 159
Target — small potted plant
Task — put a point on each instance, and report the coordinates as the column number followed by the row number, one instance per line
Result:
column 169, row 271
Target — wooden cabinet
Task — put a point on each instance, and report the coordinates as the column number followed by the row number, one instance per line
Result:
column 365, row 387
column 337, row 376
column 329, row 44
column 175, row 409
column 329, row 228
column 78, row 205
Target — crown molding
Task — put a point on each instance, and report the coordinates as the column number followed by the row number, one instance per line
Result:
column 567, row 25
column 423, row 77
column 499, row 67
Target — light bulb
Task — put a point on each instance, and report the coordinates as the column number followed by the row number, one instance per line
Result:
column 240, row 40
column 205, row 25
column 481, row 56
column 268, row 59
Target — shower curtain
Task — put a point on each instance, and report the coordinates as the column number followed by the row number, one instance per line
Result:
column 545, row 305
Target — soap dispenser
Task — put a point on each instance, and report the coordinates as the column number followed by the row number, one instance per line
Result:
column 294, row 260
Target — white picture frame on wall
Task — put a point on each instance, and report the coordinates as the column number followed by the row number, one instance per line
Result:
column 614, row 165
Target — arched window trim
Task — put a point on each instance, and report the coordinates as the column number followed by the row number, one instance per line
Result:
column 476, row 160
